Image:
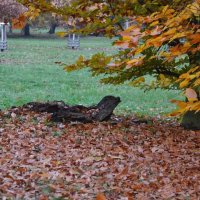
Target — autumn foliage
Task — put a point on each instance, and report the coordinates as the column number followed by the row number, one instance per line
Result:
column 163, row 43
column 10, row 9
column 170, row 38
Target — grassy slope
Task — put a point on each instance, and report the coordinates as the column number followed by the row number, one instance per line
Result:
column 28, row 73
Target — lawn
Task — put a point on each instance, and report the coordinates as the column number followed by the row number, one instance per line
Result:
column 28, row 73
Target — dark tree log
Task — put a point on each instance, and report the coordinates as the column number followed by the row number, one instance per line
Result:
column 49, row 107
column 105, row 108
column 63, row 112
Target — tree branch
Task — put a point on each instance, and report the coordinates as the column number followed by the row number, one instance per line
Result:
column 113, row 13
column 166, row 72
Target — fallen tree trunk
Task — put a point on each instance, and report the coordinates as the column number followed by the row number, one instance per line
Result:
column 62, row 112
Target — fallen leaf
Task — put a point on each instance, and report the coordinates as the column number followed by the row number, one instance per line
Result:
column 100, row 196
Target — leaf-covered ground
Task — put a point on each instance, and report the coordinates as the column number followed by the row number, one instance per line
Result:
column 115, row 161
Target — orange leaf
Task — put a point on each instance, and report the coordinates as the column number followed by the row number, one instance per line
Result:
column 135, row 62
column 195, row 38
column 155, row 31
column 184, row 83
column 100, row 196
column 180, row 104
column 126, row 38
column 154, row 23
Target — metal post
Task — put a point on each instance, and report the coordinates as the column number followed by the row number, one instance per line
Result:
column 73, row 41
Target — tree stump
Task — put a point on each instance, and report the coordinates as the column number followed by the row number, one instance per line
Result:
column 191, row 120
column 62, row 112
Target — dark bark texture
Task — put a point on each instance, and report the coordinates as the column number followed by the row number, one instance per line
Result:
column 52, row 28
column 26, row 30
column 62, row 112
column 191, row 120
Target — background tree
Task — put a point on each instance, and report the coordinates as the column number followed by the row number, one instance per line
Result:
column 46, row 20
column 54, row 19
column 53, row 23
column 45, row 17
column 10, row 9
column 107, row 15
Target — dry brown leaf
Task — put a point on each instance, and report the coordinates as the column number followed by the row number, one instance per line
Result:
column 100, row 196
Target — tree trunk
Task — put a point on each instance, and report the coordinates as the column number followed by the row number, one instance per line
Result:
column 26, row 30
column 10, row 28
column 52, row 28
column 191, row 120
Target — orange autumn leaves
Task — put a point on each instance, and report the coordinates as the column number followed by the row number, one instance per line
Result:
column 19, row 23
column 164, row 28
column 189, row 80
column 173, row 26
column 29, row 13
column 100, row 196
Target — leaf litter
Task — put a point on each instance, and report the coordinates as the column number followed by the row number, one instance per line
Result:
column 40, row 159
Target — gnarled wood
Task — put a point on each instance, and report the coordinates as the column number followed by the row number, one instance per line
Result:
column 63, row 112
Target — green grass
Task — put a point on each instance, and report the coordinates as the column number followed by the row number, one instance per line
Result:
column 28, row 73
